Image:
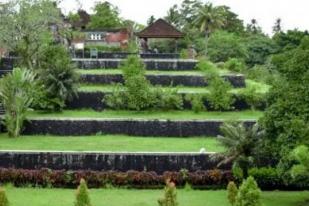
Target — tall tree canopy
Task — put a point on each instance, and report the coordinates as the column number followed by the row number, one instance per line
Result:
column 106, row 16
column 25, row 27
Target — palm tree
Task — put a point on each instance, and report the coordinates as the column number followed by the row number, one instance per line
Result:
column 241, row 142
column 209, row 19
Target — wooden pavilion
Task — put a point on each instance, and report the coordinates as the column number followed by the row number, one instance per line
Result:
column 159, row 29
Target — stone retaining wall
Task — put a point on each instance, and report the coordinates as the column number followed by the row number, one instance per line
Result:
column 164, row 80
column 151, row 64
column 157, row 162
column 93, row 100
column 135, row 127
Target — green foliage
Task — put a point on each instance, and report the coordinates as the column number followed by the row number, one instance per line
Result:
column 219, row 96
column 25, row 28
column 169, row 99
column 170, row 195
column 254, row 99
column 58, row 76
column 17, row 92
column 249, row 194
column 224, row 45
column 301, row 155
column 105, row 16
column 3, row 198
column 207, row 67
column 266, row 177
column 197, row 102
column 289, row 40
column 137, row 87
column 82, row 196
column 261, row 73
column 235, row 65
column 286, row 118
column 240, row 142
column 232, row 191
column 259, row 47
column 102, row 48
column 117, row 99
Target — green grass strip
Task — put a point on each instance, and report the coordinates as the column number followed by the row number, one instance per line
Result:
column 126, row 197
column 110, row 143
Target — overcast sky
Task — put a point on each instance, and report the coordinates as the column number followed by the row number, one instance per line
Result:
column 294, row 13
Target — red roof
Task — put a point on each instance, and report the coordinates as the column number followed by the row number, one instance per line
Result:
column 160, row 29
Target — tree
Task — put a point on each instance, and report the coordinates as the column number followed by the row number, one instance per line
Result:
column 232, row 23
column 259, row 48
column 174, row 17
column 17, row 92
column 170, row 195
column 105, row 16
column 59, row 77
column 277, row 27
column 286, row 118
column 240, row 142
column 209, row 19
column 151, row 20
column 289, row 40
column 223, row 45
column 3, row 198
column 249, row 193
column 82, row 195
column 25, row 27
column 254, row 28
column 232, row 192
column 301, row 155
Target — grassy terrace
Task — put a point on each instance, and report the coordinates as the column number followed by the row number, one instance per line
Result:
column 151, row 72
column 111, row 143
column 261, row 88
column 169, row 115
column 117, row 197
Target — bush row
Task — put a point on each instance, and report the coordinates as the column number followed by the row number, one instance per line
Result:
column 98, row 179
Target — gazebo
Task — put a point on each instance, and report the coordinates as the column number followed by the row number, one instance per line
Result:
column 159, row 29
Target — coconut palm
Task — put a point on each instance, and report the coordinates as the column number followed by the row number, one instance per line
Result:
column 209, row 19
column 240, row 141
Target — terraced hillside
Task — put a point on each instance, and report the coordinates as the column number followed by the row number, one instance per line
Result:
column 89, row 124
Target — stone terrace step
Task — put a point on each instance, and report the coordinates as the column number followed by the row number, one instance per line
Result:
column 236, row 80
column 151, row 64
column 123, row 162
column 136, row 127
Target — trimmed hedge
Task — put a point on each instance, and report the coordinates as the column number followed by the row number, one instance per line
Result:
column 213, row 179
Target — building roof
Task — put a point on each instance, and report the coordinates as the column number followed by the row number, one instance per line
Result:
column 160, row 29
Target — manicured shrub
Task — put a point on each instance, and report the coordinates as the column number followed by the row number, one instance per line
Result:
column 168, row 99
column 267, row 177
column 300, row 171
column 235, row 65
column 197, row 102
column 137, row 93
column 116, row 100
column 170, row 195
column 17, row 92
column 249, row 194
column 232, row 191
column 207, row 67
column 219, row 96
column 82, row 196
column 59, row 77
column 253, row 98
column 3, row 198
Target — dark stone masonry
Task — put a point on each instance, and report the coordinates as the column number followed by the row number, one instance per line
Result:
column 134, row 127
column 164, row 80
column 157, row 162
column 151, row 64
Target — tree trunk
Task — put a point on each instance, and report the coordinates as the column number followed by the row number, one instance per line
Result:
column 206, row 43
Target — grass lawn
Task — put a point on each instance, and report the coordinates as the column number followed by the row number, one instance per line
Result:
column 112, row 143
column 148, row 72
column 260, row 88
column 166, row 115
column 124, row 197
